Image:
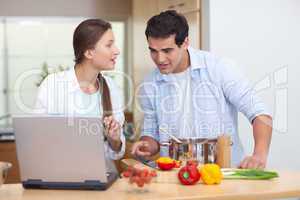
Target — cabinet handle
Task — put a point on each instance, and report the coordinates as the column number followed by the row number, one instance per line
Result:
column 177, row 5
column 181, row 4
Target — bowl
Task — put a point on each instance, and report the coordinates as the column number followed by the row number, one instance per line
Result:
column 139, row 178
column 4, row 167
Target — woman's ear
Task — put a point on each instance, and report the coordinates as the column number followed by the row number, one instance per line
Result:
column 89, row 54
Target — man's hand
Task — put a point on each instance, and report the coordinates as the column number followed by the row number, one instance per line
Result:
column 254, row 162
column 262, row 132
column 141, row 149
column 145, row 148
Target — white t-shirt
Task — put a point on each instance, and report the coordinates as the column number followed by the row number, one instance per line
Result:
column 182, row 82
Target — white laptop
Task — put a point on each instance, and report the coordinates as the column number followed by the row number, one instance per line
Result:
column 59, row 152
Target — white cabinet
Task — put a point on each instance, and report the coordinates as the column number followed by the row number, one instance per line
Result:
column 182, row 6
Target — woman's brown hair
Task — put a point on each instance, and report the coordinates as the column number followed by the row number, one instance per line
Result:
column 85, row 37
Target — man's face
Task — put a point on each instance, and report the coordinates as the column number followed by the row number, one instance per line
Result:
column 166, row 54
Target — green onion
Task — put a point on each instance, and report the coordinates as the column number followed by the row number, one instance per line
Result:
column 249, row 174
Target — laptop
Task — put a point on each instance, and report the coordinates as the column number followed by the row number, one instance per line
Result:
column 59, row 152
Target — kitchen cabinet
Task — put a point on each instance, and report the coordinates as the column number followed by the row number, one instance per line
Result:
column 182, row 6
column 8, row 154
column 193, row 19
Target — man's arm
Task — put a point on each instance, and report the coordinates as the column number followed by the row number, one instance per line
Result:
column 262, row 133
column 148, row 144
column 241, row 94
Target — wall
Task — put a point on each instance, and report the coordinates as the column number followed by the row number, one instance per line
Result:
column 263, row 38
column 99, row 8
column 109, row 10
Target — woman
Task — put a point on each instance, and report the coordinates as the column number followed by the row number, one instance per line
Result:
column 83, row 90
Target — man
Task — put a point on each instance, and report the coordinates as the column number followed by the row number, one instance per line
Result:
column 193, row 93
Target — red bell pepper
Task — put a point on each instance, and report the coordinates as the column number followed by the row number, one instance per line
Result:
column 189, row 174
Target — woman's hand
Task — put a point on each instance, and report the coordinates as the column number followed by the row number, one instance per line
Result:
column 112, row 131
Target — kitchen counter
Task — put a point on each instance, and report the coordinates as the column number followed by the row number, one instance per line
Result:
column 287, row 185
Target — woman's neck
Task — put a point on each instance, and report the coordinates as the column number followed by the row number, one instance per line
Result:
column 87, row 78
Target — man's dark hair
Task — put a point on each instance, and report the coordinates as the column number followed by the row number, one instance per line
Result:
column 166, row 24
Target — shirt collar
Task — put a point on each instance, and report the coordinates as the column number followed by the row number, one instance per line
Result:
column 196, row 58
column 73, row 84
column 196, row 62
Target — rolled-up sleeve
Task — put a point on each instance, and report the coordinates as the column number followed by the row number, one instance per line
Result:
column 146, row 96
column 239, row 92
column 117, row 155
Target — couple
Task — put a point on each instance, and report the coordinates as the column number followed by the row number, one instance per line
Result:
column 190, row 88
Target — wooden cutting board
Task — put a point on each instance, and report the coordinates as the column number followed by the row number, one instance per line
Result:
column 162, row 176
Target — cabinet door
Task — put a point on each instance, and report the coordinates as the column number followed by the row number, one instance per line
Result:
column 167, row 4
column 8, row 154
column 193, row 19
column 182, row 6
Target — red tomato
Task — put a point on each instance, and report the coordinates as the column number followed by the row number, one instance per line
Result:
column 140, row 182
column 147, row 179
column 127, row 174
column 135, row 179
column 177, row 163
column 153, row 173
column 144, row 173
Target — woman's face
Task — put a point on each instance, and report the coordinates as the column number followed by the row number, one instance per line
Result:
column 105, row 53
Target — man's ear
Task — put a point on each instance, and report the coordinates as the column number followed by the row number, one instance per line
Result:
column 89, row 53
column 186, row 43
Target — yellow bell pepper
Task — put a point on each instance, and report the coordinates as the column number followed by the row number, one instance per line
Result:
column 165, row 160
column 211, row 174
